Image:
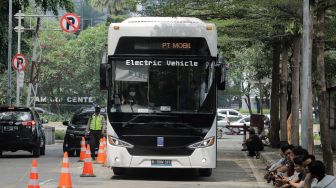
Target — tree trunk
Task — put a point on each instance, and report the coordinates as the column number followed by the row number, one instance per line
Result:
column 295, row 139
column 247, row 95
column 283, row 93
column 321, row 89
column 275, row 124
column 261, row 97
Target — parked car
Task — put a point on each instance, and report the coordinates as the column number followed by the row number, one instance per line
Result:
column 21, row 129
column 230, row 113
column 76, row 130
column 247, row 121
column 222, row 120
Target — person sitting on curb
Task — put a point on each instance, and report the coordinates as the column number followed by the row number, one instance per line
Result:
column 318, row 177
column 253, row 144
column 286, row 170
column 295, row 182
column 271, row 170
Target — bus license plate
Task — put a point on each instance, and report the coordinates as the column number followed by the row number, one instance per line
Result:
column 161, row 162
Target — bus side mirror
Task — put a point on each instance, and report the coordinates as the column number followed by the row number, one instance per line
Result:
column 104, row 73
column 221, row 76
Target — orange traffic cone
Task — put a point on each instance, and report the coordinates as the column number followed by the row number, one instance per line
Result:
column 33, row 181
column 87, row 168
column 65, row 177
column 82, row 152
column 100, row 157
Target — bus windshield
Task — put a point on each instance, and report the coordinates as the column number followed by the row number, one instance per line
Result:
column 143, row 85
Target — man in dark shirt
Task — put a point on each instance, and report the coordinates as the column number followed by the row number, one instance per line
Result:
column 254, row 143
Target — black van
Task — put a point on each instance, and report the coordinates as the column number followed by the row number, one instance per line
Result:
column 76, row 130
column 21, row 129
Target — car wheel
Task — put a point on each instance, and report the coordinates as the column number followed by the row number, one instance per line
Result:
column 205, row 172
column 36, row 151
column 42, row 149
column 118, row 171
column 77, row 153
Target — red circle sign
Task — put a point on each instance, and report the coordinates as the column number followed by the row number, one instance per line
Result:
column 70, row 23
column 19, row 62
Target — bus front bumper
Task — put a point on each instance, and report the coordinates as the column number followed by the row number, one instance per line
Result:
column 200, row 158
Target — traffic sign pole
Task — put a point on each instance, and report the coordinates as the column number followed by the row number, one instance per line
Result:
column 18, row 70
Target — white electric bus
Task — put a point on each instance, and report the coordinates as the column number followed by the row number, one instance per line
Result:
column 162, row 76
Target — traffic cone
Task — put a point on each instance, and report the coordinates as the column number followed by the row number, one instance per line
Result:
column 33, row 181
column 87, row 168
column 83, row 149
column 65, row 177
column 100, row 157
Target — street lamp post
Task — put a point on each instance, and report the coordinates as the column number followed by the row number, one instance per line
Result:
column 306, row 94
column 9, row 72
column 20, row 73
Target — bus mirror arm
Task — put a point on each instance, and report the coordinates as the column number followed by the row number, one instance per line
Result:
column 104, row 76
column 221, row 76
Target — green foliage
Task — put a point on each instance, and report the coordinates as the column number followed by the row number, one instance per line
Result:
column 114, row 7
column 44, row 5
column 59, row 134
column 72, row 63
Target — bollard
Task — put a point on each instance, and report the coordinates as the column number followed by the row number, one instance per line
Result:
column 49, row 135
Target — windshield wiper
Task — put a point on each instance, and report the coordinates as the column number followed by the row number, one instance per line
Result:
column 124, row 124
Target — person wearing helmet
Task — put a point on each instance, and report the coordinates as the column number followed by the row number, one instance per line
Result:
column 97, row 126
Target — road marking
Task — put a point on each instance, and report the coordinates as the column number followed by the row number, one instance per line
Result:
column 46, row 181
column 260, row 180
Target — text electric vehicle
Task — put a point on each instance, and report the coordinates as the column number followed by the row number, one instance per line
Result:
column 162, row 76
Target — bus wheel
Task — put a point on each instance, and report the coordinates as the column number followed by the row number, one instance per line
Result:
column 118, row 171
column 205, row 172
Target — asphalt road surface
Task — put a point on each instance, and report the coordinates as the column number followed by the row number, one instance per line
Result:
column 233, row 170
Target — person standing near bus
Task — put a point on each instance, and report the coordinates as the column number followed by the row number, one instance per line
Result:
column 97, row 126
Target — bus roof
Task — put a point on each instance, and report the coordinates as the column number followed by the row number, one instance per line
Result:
column 163, row 27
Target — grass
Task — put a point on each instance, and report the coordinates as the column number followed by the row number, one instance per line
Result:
column 59, row 134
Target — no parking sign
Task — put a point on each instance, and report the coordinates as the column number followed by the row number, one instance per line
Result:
column 19, row 62
column 70, row 23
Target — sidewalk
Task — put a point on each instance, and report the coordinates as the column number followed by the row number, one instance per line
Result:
column 271, row 155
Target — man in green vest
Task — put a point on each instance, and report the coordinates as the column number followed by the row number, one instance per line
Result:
column 97, row 127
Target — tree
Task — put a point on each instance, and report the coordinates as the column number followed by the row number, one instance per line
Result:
column 321, row 6
column 44, row 5
column 114, row 7
column 72, row 62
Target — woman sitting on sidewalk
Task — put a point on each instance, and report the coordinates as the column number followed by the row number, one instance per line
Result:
column 294, row 182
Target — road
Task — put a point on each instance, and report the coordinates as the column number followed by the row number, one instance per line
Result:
column 234, row 169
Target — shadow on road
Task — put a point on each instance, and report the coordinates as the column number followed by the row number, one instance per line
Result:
column 159, row 175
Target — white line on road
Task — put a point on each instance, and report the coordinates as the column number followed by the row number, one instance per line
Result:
column 46, row 181
column 260, row 180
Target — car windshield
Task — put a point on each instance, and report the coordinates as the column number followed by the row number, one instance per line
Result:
column 81, row 119
column 15, row 116
column 163, row 87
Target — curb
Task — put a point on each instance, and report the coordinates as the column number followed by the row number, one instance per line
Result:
column 59, row 141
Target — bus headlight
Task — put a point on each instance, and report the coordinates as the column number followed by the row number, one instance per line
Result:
column 116, row 142
column 203, row 144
